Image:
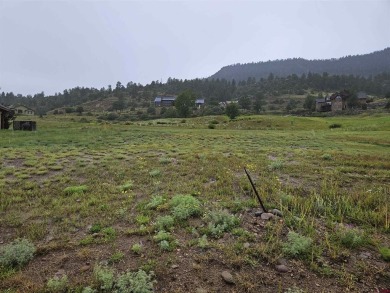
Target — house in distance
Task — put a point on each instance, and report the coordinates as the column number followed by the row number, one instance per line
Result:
column 23, row 110
column 199, row 103
column 164, row 101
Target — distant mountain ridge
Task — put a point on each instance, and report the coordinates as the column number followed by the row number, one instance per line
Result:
column 358, row 65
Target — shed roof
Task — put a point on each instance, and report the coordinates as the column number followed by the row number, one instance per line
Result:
column 164, row 98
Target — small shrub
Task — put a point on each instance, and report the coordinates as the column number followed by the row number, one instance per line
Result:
column 95, row 228
column 203, row 242
column 104, row 277
column 57, row 284
column 88, row 290
column 116, row 257
column 75, row 189
column 165, row 160
column 326, row 157
column 211, row 126
column 164, row 222
column 214, row 122
column 297, row 245
column 127, row 186
column 351, row 238
column 136, row 248
column 275, row 165
column 17, row 253
column 155, row 202
column 162, row 235
column 155, row 173
column 220, row 222
column 164, row 245
column 142, row 219
column 109, row 233
column 335, row 125
column 135, row 282
column 385, row 253
column 185, row 206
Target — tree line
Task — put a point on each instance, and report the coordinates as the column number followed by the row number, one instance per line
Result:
column 134, row 95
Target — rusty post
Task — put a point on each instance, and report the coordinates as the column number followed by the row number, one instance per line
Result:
column 254, row 189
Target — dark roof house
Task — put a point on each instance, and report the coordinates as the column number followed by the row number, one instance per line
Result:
column 164, row 101
column 199, row 103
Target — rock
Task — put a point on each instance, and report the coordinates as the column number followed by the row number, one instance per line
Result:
column 59, row 274
column 174, row 266
column 266, row 216
column 84, row 268
column 201, row 290
column 258, row 213
column 282, row 261
column 227, row 277
column 276, row 212
column 281, row 268
column 365, row 255
column 246, row 245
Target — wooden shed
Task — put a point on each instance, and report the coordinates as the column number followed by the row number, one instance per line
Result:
column 4, row 113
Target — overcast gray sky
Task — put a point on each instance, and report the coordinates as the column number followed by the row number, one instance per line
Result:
column 54, row 45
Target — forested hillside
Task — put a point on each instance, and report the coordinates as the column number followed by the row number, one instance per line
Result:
column 360, row 65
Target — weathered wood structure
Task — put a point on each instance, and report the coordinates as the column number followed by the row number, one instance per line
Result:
column 4, row 114
column 25, row 125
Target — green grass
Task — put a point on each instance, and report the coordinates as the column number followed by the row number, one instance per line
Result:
column 67, row 188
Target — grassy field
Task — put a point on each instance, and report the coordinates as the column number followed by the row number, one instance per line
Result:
column 166, row 204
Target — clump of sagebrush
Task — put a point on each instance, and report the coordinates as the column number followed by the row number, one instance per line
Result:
column 350, row 237
column 104, row 277
column 142, row 219
column 131, row 282
column 220, row 222
column 135, row 282
column 162, row 235
column 165, row 240
column 88, row 290
column 275, row 165
column 116, row 257
column 165, row 160
column 297, row 245
column 385, row 253
column 203, row 242
column 95, row 228
column 164, row 222
column 126, row 186
column 185, row 206
column 155, row 202
column 57, row 284
column 75, row 189
column 17, row 253
column 155, row 173
column 136, row 248
column 326, row 157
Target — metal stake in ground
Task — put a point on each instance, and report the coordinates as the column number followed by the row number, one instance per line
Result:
column 254, row 189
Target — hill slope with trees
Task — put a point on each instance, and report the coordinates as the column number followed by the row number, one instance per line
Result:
column 361, row 65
